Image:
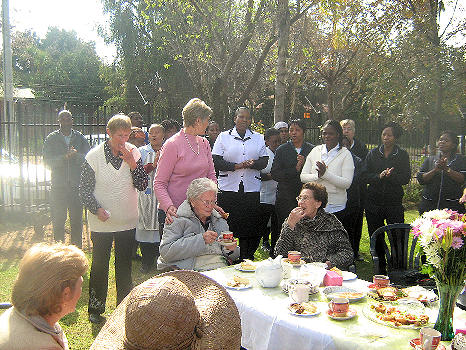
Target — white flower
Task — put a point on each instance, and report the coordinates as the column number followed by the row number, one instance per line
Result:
column 427, row 233
column 436, row 214
column 435, row 260
column 431, row 252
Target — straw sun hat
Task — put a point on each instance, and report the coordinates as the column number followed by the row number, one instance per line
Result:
column 173, row 311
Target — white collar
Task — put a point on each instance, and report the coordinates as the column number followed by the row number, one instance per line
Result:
column 247, row 134
column 332, row 151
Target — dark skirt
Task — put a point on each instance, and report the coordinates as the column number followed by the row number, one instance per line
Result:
column 243, row 209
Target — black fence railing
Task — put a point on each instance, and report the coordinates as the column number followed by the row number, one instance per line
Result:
column 25, row 180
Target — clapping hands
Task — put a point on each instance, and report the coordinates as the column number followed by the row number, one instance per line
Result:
column 321, row 168
column 386, row 173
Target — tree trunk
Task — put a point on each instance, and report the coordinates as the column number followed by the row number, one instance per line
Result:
column 219, row 104
column 436, row 116
column 330, row 100
column 280, row 82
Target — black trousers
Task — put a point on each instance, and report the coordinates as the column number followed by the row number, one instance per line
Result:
column 98, row 281
column 283, row 207
column 350, row 223
column 161, row 219
column 243, row 208
column 267, row 212
column 63, row 201
column 358, row 231
column 376, row 217
column 150, row 254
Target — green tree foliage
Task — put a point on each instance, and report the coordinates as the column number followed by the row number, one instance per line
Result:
column 213, row 49
column 420, row 74
column 59, row 67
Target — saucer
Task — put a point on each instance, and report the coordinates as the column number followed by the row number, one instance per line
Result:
column 373, row 286
column 294, row 264
column 351, row 313
column 416, row 342
column 226, row 242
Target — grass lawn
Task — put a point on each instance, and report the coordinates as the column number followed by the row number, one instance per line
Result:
column 81, row 333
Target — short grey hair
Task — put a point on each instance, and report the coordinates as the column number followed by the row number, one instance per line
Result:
column 195, row 108
column 348, row 122
column 199, row 186
column 154, row 126
column 63, row 113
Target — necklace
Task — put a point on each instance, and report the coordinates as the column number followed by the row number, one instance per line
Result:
column 192, row 149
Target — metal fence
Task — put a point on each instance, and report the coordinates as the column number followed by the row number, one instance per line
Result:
column 25, row 181
column 24, row 178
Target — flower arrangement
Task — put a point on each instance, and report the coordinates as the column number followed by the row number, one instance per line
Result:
column 441, row 235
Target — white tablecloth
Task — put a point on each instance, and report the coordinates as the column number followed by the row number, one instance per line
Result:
column 267, row 324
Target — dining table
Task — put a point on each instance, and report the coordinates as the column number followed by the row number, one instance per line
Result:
column 267, row 323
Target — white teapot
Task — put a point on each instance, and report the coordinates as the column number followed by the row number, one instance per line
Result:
column 269, row 273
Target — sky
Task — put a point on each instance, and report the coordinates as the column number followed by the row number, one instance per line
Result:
column 82, row 16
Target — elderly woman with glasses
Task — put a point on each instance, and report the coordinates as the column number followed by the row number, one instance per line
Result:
column 191, row 241
column 318, row 235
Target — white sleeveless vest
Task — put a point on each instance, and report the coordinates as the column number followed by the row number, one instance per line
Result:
column 114, row 191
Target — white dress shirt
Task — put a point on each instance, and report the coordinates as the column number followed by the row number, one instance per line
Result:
column 235, row 149
column 269, row 187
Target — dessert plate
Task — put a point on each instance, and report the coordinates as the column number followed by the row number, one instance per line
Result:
column 348, row 276
column 293, row 309
column 343, row 292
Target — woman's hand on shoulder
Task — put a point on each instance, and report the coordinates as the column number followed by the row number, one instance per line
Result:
column 209, row 236
column 295, row 215
column 171, row 213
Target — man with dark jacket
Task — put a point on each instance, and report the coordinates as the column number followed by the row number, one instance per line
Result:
column 64, row 151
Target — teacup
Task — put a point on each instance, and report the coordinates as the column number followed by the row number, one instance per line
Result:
column 299, row 293
column 286, row 269
column 339, row 306
column 227, row 235
column 294, row 256
column 381, row 281
column 430, row 338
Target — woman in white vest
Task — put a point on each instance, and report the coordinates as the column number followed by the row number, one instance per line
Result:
column 110, row 176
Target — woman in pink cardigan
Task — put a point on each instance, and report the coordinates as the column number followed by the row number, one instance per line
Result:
column 184, row 157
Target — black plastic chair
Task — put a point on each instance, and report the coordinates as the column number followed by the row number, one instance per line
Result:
column 402, row 261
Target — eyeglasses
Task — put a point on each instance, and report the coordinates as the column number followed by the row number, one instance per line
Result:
column 208, row 203
column 303, row 198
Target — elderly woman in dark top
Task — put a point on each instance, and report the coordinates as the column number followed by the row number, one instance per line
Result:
column 110, row 176
column 443, row 176
column 318, row 235
column 190, row 242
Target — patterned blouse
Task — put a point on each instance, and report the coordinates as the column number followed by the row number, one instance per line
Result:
column 87, row 184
